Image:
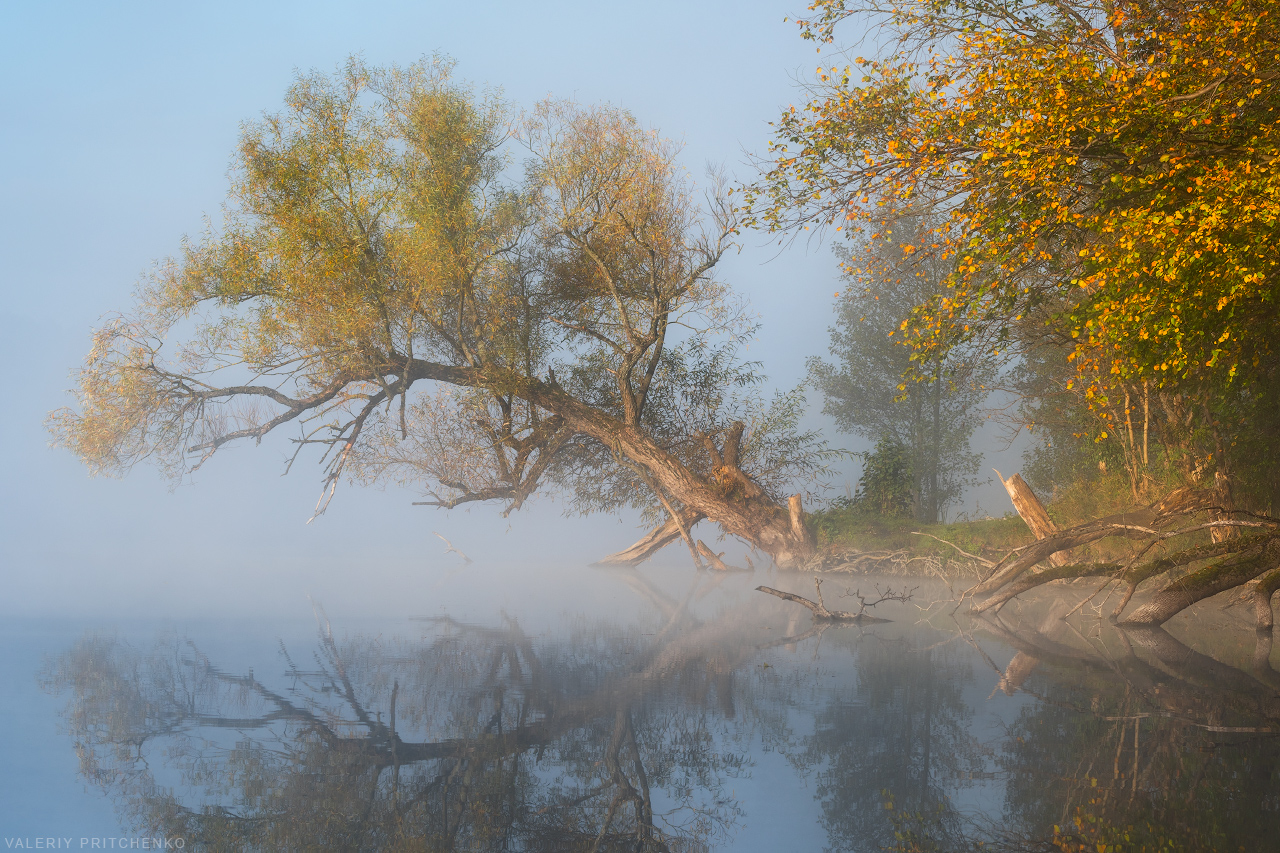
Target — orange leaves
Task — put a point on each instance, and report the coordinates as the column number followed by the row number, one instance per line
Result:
column 1112, row 169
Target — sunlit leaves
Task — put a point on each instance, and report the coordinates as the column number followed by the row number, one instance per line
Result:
column 1117, row 162
column 364, row 219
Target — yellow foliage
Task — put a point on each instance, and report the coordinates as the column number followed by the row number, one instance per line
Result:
column 1112, row 165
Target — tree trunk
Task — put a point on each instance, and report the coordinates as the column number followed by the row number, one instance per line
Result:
column 1208, row 581
column 935, row 453
column 736, row 503
column 1032, row 512
column 803, row 535
column 653, row 542
column 1222, row 496
column 1263, row 615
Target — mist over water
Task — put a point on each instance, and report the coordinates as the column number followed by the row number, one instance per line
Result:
column 121, row 600
column 680, row 710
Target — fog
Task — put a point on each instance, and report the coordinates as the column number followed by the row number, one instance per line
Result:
column 119, row 125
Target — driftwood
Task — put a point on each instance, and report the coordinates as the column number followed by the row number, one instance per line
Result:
column 822, row 614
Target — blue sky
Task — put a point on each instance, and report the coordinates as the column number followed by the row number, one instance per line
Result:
column 118, row 124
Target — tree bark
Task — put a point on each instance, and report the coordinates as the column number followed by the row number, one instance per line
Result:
column 653, row 542
column 1223, row 497
column 1032, row 512
column 1208, row 581
column 752, row 517
column 1267, row 585
column 803, row 535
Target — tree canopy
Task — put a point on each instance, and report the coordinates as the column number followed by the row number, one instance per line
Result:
column 382, row 283
column 1111, row 164
column 1106, row 179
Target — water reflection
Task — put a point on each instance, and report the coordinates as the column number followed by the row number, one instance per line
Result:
column 1040, row 734
column 1140, row 741
column 905, row 737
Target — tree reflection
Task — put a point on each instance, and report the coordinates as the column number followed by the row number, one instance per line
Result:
column 609, row 738
column 471, row 739
column 899, row 746
column 1139, row 742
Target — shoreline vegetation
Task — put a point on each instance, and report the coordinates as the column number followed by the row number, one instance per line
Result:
column 1162, row 557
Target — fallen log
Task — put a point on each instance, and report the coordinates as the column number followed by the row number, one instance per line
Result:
column 1142, row 522
column 1198, row 572
column 1262, row 592
column 1236, row 569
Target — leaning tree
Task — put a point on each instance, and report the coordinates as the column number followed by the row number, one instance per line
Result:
column 385, row 284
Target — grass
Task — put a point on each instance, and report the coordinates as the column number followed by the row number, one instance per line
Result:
column 844, row 529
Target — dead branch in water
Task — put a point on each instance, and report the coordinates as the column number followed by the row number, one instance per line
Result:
column 822, row 614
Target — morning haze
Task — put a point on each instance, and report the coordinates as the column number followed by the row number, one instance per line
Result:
column 126, row 123
column 651, row 383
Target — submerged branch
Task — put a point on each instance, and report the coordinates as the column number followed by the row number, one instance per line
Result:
column 822, row 614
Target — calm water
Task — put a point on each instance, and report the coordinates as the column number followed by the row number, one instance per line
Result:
column 641, row 711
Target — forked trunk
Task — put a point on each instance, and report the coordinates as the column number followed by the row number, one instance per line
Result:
column 732, row 500
column 784, row 537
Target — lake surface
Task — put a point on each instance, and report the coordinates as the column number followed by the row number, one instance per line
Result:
column 641, row 710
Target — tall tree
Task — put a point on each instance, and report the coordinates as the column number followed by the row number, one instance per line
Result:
column 877, row 390
column 1108, row 166
column 380, row 283
column 1109, row 174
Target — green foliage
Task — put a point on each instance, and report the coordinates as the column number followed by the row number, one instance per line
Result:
column 843, row 527
column 1111, row 198
column 1145, row 440
column 876, row 389
column 886, row 485
column 1113, row 156
column 420, row 312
